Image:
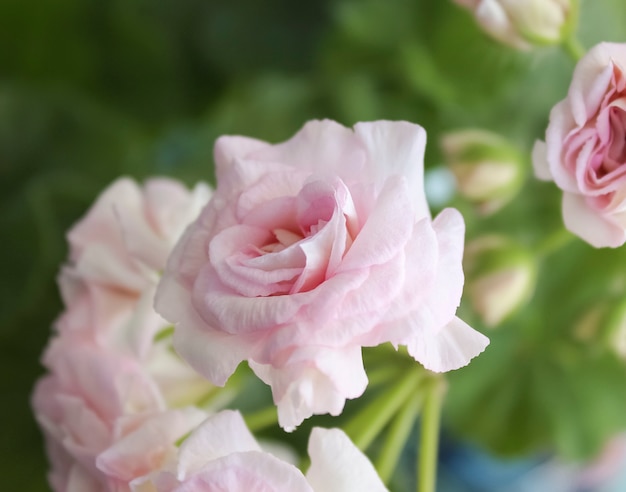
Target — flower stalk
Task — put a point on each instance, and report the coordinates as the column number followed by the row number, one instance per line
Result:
column 429, row 437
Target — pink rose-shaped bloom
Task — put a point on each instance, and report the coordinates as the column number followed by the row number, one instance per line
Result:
column 78, row 404
column 104, row 419
column 585, row 148
column 222, row 454
column 311, row 249
column 126, row 236
column 116, row 253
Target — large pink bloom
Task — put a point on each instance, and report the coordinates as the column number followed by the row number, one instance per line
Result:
column 585, row 148
column 311, row 249
column 222, row 455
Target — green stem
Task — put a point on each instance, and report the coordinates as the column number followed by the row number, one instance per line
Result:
column 383, row 375
column 262, row 419
column 367, row 424
column 573, row 48
column 554, row 242
column 429, row 438
column 397, row 437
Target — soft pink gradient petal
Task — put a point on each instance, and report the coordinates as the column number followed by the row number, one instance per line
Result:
column 449, row 348
column 591, row 79
column 149, row 447
column 337, row 465
column 397, row 148
column 321, row 147
column 213, row 354
column 585, row 222
column 219, row 435
column 314, row 380
column 251, row 471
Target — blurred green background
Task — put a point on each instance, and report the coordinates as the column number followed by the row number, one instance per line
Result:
column 91, row 90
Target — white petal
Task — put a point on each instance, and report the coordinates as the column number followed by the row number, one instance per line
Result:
column 338, row 466
column 449, row 348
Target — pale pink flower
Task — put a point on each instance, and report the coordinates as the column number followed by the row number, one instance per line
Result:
column 585, row 151
column 124, row 239
column 104, row 418
column 311, row 249
column 222, row 454
column 78, row 404
column 117, row 251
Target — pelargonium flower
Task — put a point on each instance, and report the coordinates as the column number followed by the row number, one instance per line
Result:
column 585, row 152
column 222, row 454
column 311, row 249
column 117, row 251
column 78, row 404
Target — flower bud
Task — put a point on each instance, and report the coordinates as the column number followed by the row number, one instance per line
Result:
column 604, row 325
column 501, row 277
column 523, row 23
column 489, row 171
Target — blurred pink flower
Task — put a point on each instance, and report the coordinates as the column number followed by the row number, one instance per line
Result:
column 116, row 253
column 585, row 150
column 221, row 454
column 78, row 404
column 311, row 249
column 103, row 417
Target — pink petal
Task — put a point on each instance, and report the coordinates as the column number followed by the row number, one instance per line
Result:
column 313, row 380
column 591, row 80
column 591, row 225
column 396, row 148
column 322, row 147
column 219, row 435
column 449, row 348
column 251, row 471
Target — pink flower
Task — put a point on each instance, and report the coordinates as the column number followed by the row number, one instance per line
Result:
column 126, row 236
column 585, row 151
column 104, row 418
column 221, row 454
column 311, row 249
column 116, row 253
column 78, row 405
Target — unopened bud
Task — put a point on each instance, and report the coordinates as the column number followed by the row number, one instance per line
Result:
column 523, row 23
column 604, row 326
column 489, row 170
column 501, row 277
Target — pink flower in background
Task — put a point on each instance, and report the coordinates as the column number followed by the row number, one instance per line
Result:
column 585, row 148
column 109, row 378
column 126, row 236
column 78, row 405
column 116, row 253
column 311, row 249
column 221, row 454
